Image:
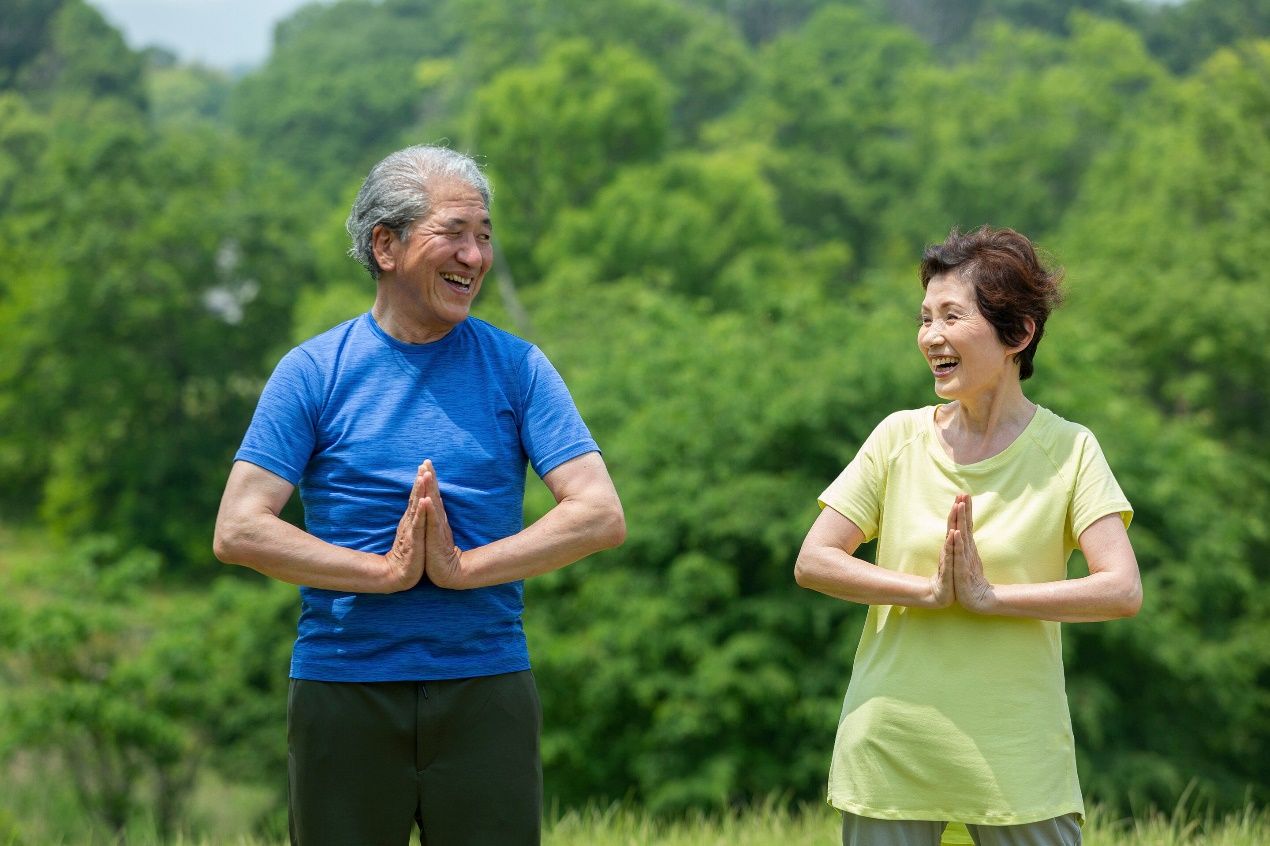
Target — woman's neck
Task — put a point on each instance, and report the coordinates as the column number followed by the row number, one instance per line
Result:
column 975, row 429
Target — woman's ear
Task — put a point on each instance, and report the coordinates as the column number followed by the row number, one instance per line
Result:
column 1030, row 325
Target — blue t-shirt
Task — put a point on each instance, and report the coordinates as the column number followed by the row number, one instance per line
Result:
column 349, row 416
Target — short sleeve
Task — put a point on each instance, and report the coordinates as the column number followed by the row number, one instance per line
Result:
column 283, row 431
column 1095, row 493
column 551, row 429
column 857, row 492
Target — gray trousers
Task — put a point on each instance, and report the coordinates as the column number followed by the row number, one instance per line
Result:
column 458, row 758
column 866, row 831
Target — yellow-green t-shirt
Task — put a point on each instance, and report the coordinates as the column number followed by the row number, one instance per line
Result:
column 952, row 715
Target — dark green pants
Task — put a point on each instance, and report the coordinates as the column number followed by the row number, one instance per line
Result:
column 369, row 760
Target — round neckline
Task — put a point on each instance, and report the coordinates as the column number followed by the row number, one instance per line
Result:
column 413, row 349
column 937, row 448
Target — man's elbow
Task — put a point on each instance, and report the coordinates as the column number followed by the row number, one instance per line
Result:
column 605, row 523
column 227, row 542
column 613, row 527
column 222, row 548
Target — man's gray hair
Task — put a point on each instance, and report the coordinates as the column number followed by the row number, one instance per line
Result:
column 396, row 194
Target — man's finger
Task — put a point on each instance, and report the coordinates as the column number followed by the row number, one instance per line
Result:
column 417, row 488
column 432, row 485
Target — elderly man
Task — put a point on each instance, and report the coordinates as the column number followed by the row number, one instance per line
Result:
column 408, row 430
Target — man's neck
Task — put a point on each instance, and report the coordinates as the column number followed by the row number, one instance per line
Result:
column 403, row 327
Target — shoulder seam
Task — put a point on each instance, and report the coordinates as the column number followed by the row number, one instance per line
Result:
column 907, row 442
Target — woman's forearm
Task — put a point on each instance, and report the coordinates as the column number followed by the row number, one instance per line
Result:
column 835, row 573
column 1091, row 599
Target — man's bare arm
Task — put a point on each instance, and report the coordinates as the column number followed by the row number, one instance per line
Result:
column 250, row 532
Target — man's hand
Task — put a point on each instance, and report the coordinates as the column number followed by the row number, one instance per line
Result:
column 974, row 593
column 442, row 559
column 406, row 559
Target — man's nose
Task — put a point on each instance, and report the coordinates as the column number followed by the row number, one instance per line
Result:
column 470, row 252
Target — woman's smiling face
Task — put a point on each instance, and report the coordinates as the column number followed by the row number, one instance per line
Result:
column 960, row 345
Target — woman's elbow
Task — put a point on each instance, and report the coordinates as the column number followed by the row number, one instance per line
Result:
column 1132, row 603
column 802, row 571
column 1127, row 600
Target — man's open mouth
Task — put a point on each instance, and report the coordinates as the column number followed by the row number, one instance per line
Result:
column 459, row 282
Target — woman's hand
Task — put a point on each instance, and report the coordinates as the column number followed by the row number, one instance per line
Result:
column 972, row 589
column 942, row 587
column 1112, row 589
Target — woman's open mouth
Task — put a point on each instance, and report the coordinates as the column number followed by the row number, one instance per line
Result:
column 943, row 364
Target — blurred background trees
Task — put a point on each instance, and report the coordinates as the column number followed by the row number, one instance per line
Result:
column 713, row 213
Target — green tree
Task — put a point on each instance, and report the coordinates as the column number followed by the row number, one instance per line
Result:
column 133, row 349
column 1018, row 127
column 134, row 690
column 1184, row 35
column 696, row 50
column 1166, row 236
column 825, row 109
column 184, row 95
column 557, row 132
column 688, row 655
column 338, row 88
column 679, row 225
column 23, row 34
column 76, row 54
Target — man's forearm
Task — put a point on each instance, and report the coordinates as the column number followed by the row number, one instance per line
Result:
column 282, row 551
column 572, row 530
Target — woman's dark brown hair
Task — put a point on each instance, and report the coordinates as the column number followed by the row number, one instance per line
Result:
column 1011, row 282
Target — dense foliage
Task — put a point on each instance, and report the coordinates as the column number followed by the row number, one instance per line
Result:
column 712, row 213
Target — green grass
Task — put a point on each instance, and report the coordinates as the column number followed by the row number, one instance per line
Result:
column 776, row 824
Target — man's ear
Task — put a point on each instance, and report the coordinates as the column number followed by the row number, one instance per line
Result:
column 382, row 240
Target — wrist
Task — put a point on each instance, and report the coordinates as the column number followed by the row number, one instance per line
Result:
column 984, row 601
column 938, row 595
column 392, row 576
column 451, row 575
column 454, row 573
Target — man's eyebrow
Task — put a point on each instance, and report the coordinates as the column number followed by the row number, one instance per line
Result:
column 463, row 221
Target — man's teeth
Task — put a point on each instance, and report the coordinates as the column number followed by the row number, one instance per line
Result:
column 457, row 280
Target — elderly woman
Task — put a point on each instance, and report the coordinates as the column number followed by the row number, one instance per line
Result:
column 956, row 710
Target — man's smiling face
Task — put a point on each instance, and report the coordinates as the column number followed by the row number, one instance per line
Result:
column 439, row 267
